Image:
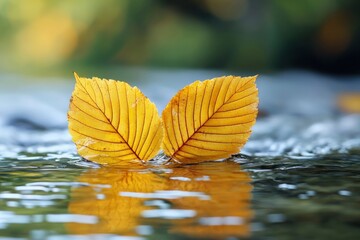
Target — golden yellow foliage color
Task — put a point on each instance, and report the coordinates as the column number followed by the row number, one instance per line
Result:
column 349, row 102
column 210, row 120
column 119, row 198
column 116, row 213
column 112, row 123
column 229, row 192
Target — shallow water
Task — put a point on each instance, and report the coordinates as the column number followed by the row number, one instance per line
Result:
column 298, row 176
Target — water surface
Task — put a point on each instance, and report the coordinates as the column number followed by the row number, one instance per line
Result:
column 298, row 176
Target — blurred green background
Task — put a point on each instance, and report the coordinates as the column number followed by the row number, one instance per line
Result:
column 239, row 35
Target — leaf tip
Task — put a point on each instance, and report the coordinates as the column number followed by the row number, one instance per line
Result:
column 77, row 78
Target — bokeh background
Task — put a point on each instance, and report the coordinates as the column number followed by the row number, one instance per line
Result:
column 236, row 35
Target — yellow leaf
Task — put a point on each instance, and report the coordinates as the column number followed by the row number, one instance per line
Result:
column 112, row 123
column 210, row 120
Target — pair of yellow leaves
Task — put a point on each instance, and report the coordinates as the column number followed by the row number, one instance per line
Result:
column 113, row 123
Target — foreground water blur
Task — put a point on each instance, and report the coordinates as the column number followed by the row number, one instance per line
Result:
column 298, row 176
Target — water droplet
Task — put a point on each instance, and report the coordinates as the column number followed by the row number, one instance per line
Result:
column 344, row 193
column 287, row 186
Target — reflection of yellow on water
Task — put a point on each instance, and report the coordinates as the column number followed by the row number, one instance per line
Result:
column 226, row 212
column 102, row 198
column 218, row 193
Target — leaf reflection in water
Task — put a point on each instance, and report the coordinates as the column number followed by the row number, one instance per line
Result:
column 102, row 198
column 227, row 212
column 204, row 200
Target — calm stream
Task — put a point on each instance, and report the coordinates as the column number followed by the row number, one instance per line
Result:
column 298, row 177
